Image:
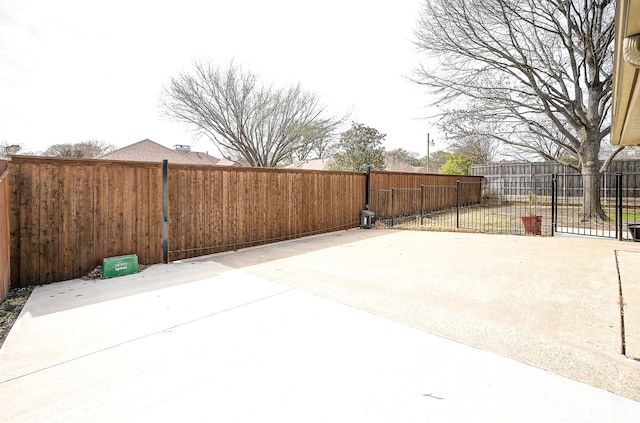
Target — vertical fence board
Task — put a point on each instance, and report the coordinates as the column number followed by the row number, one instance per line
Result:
column 129, row 245
column 155, row 214
column 68, row 229
column 29, row 224
column 84, row 220
column 49, row 223
column 102, row 199
column 15, row 217
column 115, row 211
column 141, row 189
column 217, row 199
column 5, row 232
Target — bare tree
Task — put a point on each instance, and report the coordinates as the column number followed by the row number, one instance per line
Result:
column 89, row 149
column 529, row 73
column 317, row 141
column 464, row 137
column 264, row 125
column 402, row 160
column 7, row 149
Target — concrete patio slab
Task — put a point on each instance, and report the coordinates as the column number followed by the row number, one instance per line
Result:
column 549, row 302
column 209, row 341
column 629, row 267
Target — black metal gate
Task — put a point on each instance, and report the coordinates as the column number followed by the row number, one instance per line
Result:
column 618, row 205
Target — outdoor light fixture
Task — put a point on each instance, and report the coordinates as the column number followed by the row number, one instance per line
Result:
column 631, row 50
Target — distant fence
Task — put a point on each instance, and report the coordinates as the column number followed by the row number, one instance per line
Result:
column 537, row 207
column 399, row 194
column 498, row 175
column 5, row 275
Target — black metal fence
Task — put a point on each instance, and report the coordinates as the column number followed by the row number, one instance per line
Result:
column 619, row 206
column 542, row 205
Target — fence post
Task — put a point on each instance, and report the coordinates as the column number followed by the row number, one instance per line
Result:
column 554, row 203
column 619, row 206
column 368, row 188
column 564, row 186
column 393, row 206
column 458, row 204
column 604, row 186
column 421, row 204
column 165, row 211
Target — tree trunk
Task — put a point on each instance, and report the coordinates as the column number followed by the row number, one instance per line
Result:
column 591, row 207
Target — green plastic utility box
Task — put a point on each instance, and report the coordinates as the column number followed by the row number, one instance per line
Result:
column 120, row 265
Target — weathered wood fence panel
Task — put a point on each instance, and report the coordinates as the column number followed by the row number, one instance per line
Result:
column 514, row 176
column 216, row 209
column 67, row 215
column 5, row 274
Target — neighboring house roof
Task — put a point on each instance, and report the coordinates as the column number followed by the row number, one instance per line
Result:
column 149, row 151
column 226, row 162
column 202, row 158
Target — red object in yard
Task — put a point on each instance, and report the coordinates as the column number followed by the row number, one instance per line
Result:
column 532, row 224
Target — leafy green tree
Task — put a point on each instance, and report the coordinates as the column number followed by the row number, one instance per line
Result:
column 358, row 147
column 436, row 159
column 456, row 164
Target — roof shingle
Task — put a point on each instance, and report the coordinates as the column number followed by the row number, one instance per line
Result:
column 149, row 151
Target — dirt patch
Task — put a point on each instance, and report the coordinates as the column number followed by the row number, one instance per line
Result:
column 10, row 309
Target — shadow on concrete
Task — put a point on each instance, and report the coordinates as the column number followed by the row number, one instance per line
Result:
column 286, row 249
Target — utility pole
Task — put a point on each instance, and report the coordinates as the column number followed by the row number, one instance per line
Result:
column 429, row 143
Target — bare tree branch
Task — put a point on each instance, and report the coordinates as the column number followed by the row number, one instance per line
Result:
column 90, row 148
column 264, row 125
column 528, row 73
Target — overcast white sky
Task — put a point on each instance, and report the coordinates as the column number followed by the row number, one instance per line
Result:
column 71, row 70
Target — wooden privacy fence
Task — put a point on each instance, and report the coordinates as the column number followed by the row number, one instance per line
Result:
column 214, row 209
column 66, row 215
column 5, row 280
column 395, row 193
column 511, row 176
